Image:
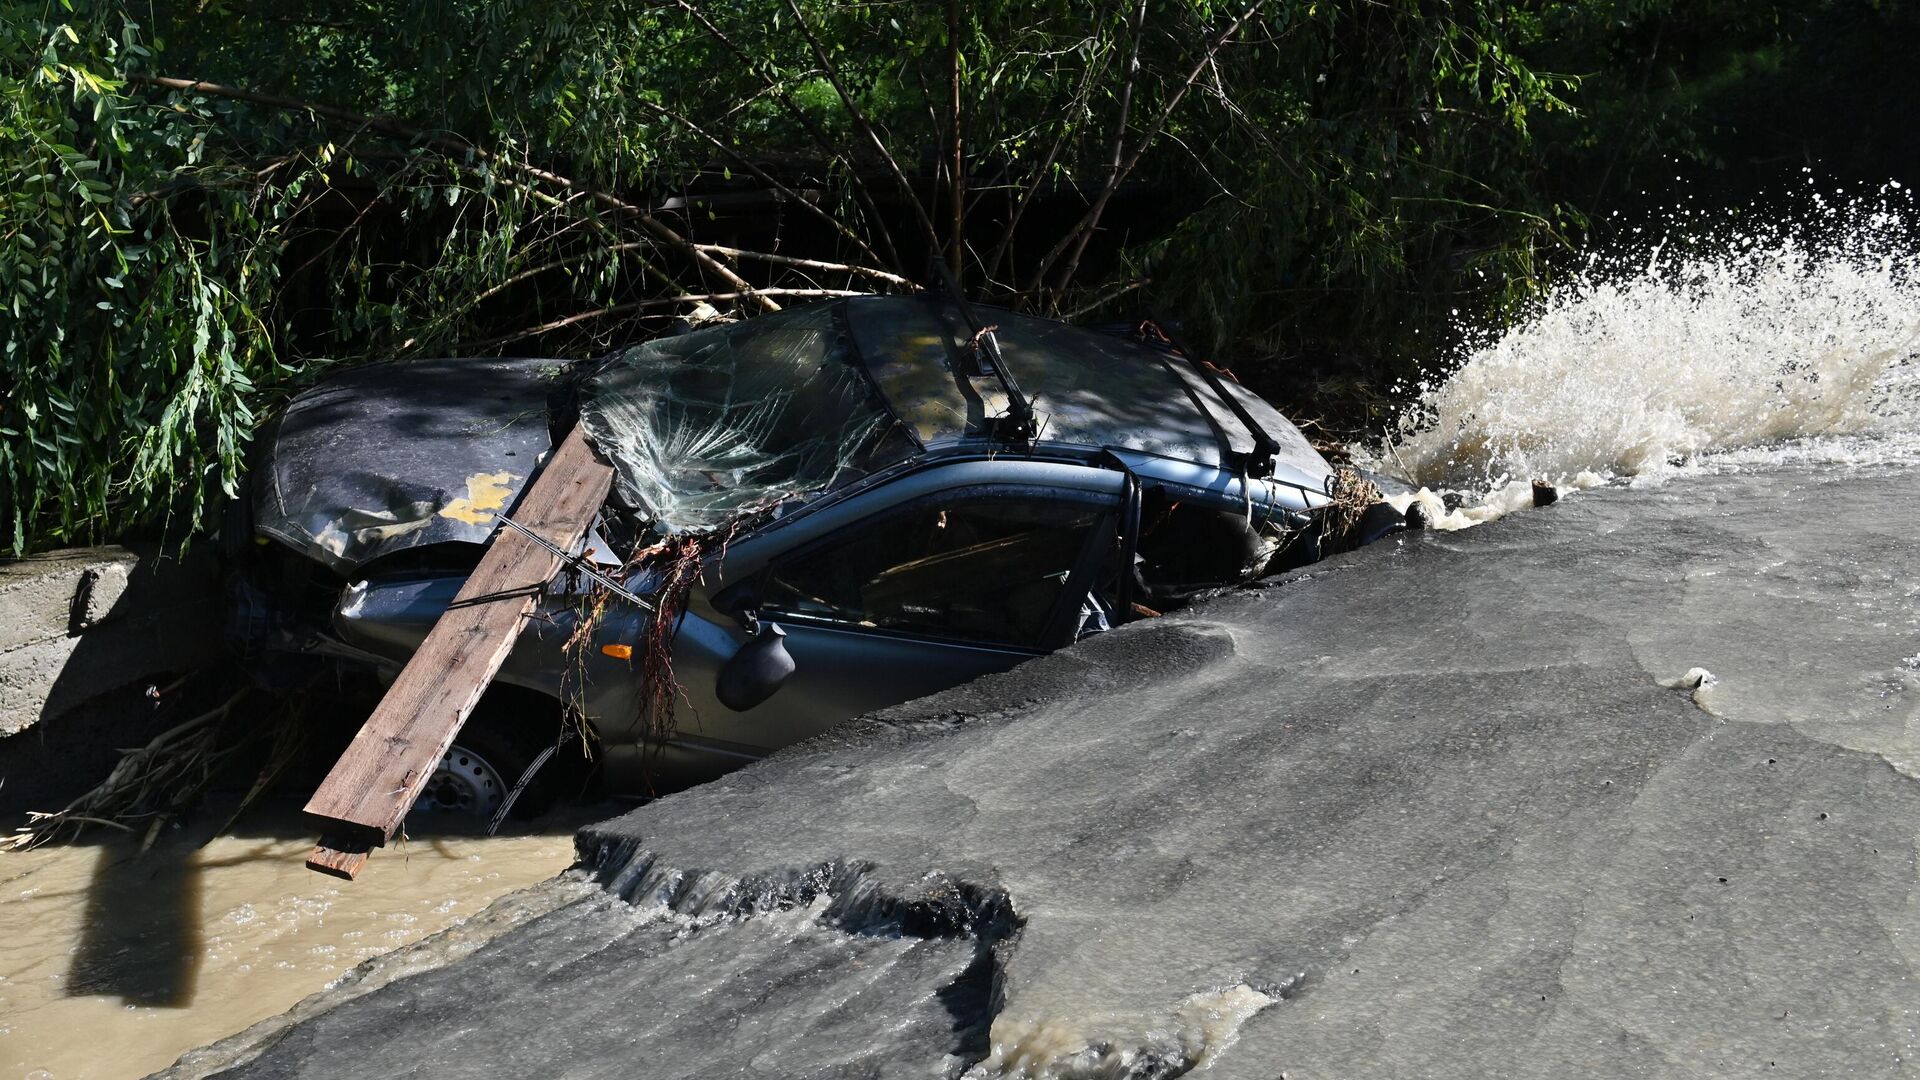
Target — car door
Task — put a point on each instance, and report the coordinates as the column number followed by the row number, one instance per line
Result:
column 913, row 599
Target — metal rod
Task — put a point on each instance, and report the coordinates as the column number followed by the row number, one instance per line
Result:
column 580, row 564
column 1264, row 444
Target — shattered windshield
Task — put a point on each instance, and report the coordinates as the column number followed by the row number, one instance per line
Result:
column 709, row 424
column 1086, row 388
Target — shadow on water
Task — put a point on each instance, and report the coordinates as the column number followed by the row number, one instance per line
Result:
column 143, row 935
column 143, row 929
column 142, row 940
column 968, row 1000
column 114, row 961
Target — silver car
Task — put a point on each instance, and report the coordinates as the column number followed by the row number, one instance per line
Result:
column 840, row 507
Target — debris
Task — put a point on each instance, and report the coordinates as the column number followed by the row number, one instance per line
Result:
column 363, row 800
column 151, row 784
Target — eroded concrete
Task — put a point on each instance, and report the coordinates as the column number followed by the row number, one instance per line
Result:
column 80, row 622
column 1424, row 811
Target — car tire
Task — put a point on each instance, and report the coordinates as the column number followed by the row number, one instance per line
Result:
column 505, row 734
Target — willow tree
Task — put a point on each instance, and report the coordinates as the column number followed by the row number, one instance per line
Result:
column 197, row 216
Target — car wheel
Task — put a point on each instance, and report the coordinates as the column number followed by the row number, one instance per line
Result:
column 465, row 783
column 493, row 750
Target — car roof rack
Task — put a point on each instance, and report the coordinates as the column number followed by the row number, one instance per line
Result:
column 1260, row 459
column 1018, row 423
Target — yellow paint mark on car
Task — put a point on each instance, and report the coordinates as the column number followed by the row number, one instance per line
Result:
column 485, row 492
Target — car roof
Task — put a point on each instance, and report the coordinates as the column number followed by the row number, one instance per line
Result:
column 388, row 457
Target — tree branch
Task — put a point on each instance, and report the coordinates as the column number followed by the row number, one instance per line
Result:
column 1099, row 301
column 1131, row 76
column 641, row 305
column 956, row 169
column 1005, row 242
column 860, row 121
column 457, row 147
column 812, row 129
column 808, row 264
column 761, row 175
column 1076, row 239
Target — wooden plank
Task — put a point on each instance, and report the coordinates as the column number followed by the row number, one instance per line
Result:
column 340, row 858
column 367, row 795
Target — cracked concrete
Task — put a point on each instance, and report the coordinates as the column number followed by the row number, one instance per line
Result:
column 1435, row 809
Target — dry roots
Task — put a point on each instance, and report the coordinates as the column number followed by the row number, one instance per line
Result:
column 152, row 784
column 1352, row 494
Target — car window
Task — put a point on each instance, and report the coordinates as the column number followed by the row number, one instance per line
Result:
column 980, row 570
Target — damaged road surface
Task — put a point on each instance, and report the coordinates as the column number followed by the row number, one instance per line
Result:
column 1427, row 811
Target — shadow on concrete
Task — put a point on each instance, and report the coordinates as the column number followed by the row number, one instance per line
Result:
column 93, row 637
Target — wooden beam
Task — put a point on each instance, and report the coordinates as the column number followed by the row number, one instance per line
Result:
column 361, row 803
column 339, row 858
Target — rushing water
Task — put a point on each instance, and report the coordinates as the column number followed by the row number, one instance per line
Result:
column 113, row 963
column 1716, row 351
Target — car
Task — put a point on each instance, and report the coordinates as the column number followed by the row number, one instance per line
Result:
column 838, row 508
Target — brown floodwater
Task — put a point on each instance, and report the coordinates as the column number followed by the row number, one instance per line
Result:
column 112, row 963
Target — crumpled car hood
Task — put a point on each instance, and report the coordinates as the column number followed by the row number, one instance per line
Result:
column 393, row 456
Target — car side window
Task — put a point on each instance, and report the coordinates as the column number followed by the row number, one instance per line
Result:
column 990, row 570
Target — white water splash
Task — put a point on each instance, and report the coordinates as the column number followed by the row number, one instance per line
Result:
column 1736, row 351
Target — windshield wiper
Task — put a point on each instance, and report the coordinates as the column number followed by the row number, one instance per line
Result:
column 1260, row 459
column 984, row 347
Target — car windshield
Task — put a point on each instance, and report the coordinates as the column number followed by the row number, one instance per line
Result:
column 707, row 425
column 1086, row 388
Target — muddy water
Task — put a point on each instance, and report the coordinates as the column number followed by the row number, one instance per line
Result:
column 113, row 963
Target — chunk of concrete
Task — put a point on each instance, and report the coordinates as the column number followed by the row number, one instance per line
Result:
column 79, row 623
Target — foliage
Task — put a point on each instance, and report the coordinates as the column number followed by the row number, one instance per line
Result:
column 136, row 343
column 1315, row 187
column 1396, row 185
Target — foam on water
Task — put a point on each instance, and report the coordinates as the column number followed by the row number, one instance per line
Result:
column 1716, row 349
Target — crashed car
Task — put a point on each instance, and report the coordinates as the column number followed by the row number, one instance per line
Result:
column 839, row 507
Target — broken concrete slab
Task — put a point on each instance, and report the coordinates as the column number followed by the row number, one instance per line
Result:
column 46, row 603
column 80, row 630
column 58, row 594
column 84, row 621
column 1442, row 808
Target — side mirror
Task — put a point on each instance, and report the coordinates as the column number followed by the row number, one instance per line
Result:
column 761, row 667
